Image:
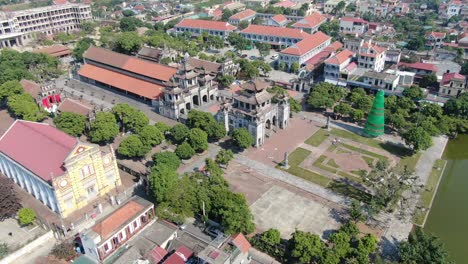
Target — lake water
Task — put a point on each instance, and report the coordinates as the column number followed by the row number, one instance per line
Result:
column 448, row 218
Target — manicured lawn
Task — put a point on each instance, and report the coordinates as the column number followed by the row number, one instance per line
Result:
column 363, row 151
column 317, row 138
column 350, row 177
column 349, row 191
column 429, row 191
column 298, row 156
column 318, row 164
column 295, row 159
column 332, row 163
column 368, row 160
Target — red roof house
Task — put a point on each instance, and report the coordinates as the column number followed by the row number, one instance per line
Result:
column 205, row 24
column 340, row 58
column 275, row 31
column 241, row 242
column 307, row 44
column 278, row 20
column 447, row 77
column 310, row 23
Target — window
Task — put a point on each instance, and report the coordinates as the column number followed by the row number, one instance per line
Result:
column 106, row 247
column 91, row 191
column 87, row 170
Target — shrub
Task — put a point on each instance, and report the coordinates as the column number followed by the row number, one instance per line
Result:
column 184, row 151
column 26, row 216
column 64, row 251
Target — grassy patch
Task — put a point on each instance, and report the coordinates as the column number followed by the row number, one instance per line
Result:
column 361, row 173
column 295, row 159
column 368, row 160
column 410, row 161
column 331, row 148
column 429, row 191
column 342, row 151
column 318, row 164
column 349, row 191
column 317, row 138
column 350, row 177
column 363, row 151
column 332, row 163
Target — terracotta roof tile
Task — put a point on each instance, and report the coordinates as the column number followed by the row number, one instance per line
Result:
column 420, row 66
column 308, row 43
column 435, row 34
column 206, row 24
column 74, row 106
column 38, row 147
column 207, row 65
column 275, row 31
column 353, row 19
column 286, row 3
column 279, row 18
column 121, row 81
column 334, row 46
column 131, row 64
column 447, row 77
column 31, row 87
column 243, row 14
column 55, row 51
column 311, row 21
column 241, row 242
column 341, row 57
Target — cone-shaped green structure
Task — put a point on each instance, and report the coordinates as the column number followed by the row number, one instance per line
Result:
column 375, row 120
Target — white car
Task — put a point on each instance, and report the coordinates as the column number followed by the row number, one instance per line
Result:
column 274, row 57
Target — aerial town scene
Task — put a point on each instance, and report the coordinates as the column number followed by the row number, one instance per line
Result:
column 233, row 132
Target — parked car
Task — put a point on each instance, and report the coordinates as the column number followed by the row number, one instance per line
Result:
column 213, row 231
column 244, row 56
column 274, row 57
column 252, row 57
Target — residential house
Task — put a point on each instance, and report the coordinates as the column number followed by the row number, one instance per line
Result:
column 277, row 21
column 62, row 172
column 235, row 250
column 112, row 232
column 56, row 51
column 330, row 6
column 310, row 24
column 393, row 56
column 246, row 15
column 305, row 49
column 375, row 81
column 419, row 68
column 353, row 25
column 335, row 66
column 434, row 39
column 450, row 9
column 371, row 56
column 256, row 3
column 197, row 26
column 452, row 84
column 275, row 36
column 234, row 6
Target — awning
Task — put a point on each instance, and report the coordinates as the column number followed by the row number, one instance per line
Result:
column 120, row 81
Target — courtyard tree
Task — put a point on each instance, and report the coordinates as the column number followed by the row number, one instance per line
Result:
column 128, row 42
column 342, row 109
column 226, row 80
column 130, row 118
column 238, row 42
column 179, row 133
column 418, row 138
column 71, row 123
column 306, row 247
column 271, row 236
column 242, row 138
column 423, row 248
column 82, row 46
column 23, row 107
column 198, row 139
column 10, row 88
column 167, row 159
column 150, row 136
column 224, row 156
column 294, row 105
column 243, row 24
column 185, row 151
column 294, row 67
column 414, row 93
column 341, row 244
column 104, row 128
column 263, row 48
column 367, row 245
column 9, row 201
column 457, row 107
column 128, row 24
column 357, row 114
column 262, row 66
column 88, row 27
column 325, row 95
column 163, row 127
column 356, row 212
column 428, row 80
column 206, row 122
column 132, row 147
column 26, row 216
column 163, row 180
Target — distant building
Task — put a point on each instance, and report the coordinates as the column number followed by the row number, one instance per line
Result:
column 450, row 9
column 235, row 250
column 62, row 172
column 420, row 69
column 275, row 36
column 335, row 70
column 353, row 25
column 56, row 51
column 252, row 108
column 277, row 21
column 196, row 27
column 452, row 84
column 111, row 233
column 375, row 81
column 330, row 5
column 20, row 27
column 156, row 55
column 310, row 24
column 305, row 49
column 434, row 39
column 256, row 3
column 371, row 56
column 246, row 15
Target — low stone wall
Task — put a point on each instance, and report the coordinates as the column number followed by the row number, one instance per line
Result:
column 27, row 248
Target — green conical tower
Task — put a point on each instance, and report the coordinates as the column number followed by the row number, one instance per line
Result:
column 376, row 120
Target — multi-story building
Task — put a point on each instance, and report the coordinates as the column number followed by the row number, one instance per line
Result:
column 452, row 84
column 196, row 27
column 353, row 25
column 310, row 24
column 256, row 3
column 330, row 6
column 371, row 56
column 111, row 233
column 192, row 86
column 375, row 81
column 334, row 70
column 246, row 15
column 277, row 21
column 305, row 49
column 275, row 36
column 59, row 170
column 254, row 110
column 434, row 39
column 19, row 27
column 450, row 9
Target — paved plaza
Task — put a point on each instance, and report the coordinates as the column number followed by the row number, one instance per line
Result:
column 19, row 235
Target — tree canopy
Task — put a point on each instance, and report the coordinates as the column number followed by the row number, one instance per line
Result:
column 81, row 47
column 132, row 147
column 206, row 122
column 130, row 118
column 185, row 151
column 128, row 42
column 167, row 159
column 242, row 138
column 150, row 136
column 198, row 139
column 418, row 138
column 104, row 128
column 325, row 95
column 179, row 133
column 71, row 123
column 24, row 107
column 414, row 93
column 9, row 201
column 128, row 24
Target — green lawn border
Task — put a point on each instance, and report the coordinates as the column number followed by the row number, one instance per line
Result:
column 317, row 138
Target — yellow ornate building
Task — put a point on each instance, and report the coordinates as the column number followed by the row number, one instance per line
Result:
column 59, row 170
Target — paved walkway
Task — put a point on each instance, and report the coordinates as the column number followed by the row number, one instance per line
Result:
column 260, row 257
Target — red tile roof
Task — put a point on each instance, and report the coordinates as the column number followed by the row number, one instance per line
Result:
column 184, row 252
column 60, row 2
column 279, row 18
column 31, row 87
column 241, row 242
column 311, row 21
column 116, row 220
column 334, row 46
column 38, row 147
column 55, row 51
column 131, row 64
column 121, row 81
column 206, row 24
column 286, row 3
column 435, row 34
column 318, row 59
column 74, row 106
column 308, row 43
column 447, row 77
column 158, row 254
column 174, row 259
column 275, row 31
column 353, row 19
column 341, row 57
column 243, row 14
column 420, row 66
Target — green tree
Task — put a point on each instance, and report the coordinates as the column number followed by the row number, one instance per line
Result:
column 26, row 216
column 243, row 24
column 271, row 236
column 227, row 13
column 132, row 147
column 130, row 118
column 198, row 139
column 166, row 159
column 428, row 80
column 163, row 127
column 464, row 68
column 150, row 136
column 238, row 42
column 104, row 128
column 357, row 114
column 82, row 46
column 226, row 80
column 281, row 66
column 294, row 105
column 88, row 27
column 242, row 138
column 356, row 213
column 128, row 24
column 422, row 248
column 457, row 107
column 418, row 138
column 24, row 107
column 306, row 247
column 414, row 93
column 9, row 201
column 71, row 123
column 294, row 67
column 325, row 95
column 10, row 88
column 263, row 48
column 343, row 109
column 163, row 181
column 341, row 246
column 128, row 42
column 184, row 151
column 128, row 13
column 366, row 246
column 224, row 156
column 179, row 133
